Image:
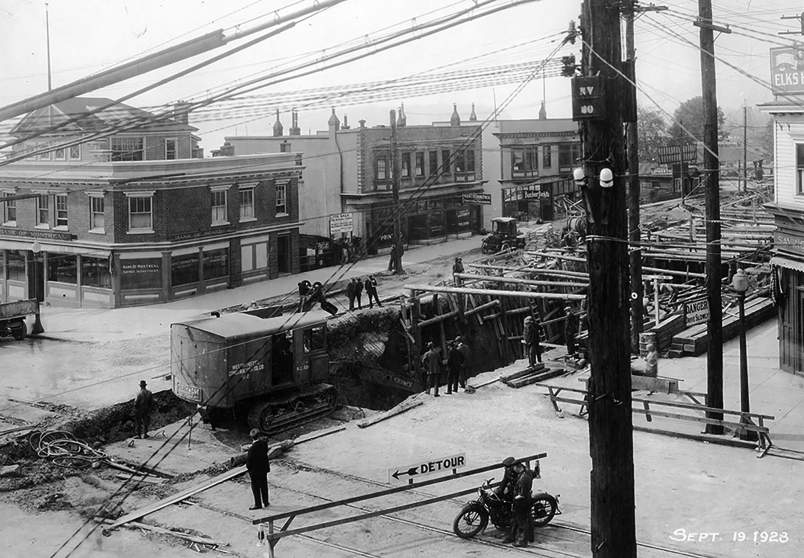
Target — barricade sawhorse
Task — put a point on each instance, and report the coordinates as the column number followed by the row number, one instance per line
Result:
column 272, row 537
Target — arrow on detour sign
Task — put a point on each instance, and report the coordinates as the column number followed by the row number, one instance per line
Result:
column 428, row 467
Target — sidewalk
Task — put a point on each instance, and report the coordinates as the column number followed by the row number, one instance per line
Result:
column 97, row 325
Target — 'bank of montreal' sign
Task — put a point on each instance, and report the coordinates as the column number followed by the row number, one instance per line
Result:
column 787, row 70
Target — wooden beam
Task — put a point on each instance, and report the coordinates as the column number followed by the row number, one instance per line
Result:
column 520, row 281
column 490, row 292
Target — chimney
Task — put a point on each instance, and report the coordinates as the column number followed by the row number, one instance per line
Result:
column 402, row 120
column 455, row 119
column 345, row 123
column 294, row 127
column 180, row 113
column 334, row 123
column 543, row 112
column 473, row 116
column 362, row 123
column 277, row 125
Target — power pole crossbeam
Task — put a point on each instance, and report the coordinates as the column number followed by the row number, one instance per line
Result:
column 609, row 388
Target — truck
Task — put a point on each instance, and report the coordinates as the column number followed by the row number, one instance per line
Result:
column 270, row 372
column 504, row 236
column 12, row 317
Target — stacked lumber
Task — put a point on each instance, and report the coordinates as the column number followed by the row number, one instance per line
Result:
column 695, row 340
column 666, row 329
column 538, row 373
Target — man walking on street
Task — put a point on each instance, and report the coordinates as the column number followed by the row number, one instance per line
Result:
column 142, row 410
column 258, row 468
column 431, row 360
column 371, row 291
column 454, row 368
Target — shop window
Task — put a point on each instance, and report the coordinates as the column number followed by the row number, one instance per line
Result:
column 216, row 264
column 247, row 204
column 406, row 164
column 43, row 212
column 184, row 269
column 127, row 149
column 381, row 170
column 95, row 272
column 141, row 274
column 446, row 163
column 419, row 164
column 432, row 157
column 219, row 210
column 547, row 156
column 800, row 169
column 61, row 211
column 314, row 339
column 97, row 221
column 170, row 149
column 15, row 265
column 140, row 213
column 10, row 211
column 62, row 268
column 281, row 198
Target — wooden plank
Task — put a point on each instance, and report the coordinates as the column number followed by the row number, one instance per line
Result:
column 707, row 420
column 185, row 536
column 546, row 375
column 649, row 383
column 406, row 405
column 693, row 407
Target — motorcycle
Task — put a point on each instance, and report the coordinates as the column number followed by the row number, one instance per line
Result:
column 475, row 515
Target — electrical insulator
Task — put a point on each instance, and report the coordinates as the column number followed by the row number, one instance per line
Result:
column 568, row 62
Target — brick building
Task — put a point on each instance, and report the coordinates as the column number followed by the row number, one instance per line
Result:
column 112, row 228
column 348, row 177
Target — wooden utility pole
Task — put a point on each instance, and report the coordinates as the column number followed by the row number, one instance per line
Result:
column 397, row 253
column 635, row 231
column 745, row 148
column 609, row 388
column 714, row 326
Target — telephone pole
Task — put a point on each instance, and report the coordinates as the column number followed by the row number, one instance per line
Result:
column 603, row 182
column 397, row 253
column 714, row 326
column 745, row 148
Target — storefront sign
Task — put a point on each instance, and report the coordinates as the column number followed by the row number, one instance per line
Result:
column 483, row 199
column 787, row 70
column 341, row 223
column 225, row 229
column 787, row 243
column 141, row 274
column 535, row 194
column 45, row 235
column 696, row 312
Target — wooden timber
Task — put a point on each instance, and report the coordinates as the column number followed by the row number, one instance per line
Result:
column 491, row 292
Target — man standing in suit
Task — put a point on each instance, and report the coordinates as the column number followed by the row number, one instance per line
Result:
column 142, row 410
column 258, row 468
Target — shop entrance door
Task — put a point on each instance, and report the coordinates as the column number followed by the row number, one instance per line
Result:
column 283, row 254
column 452, row 221
column 36, row 278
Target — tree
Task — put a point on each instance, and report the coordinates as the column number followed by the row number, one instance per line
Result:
column 652, row 133
column 766, row 143
column 690, row 115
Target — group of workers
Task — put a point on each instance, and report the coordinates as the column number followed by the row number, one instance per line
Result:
column 457, row 363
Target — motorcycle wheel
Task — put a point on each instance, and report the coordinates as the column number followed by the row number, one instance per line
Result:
column 470, row 521
column 543, row 510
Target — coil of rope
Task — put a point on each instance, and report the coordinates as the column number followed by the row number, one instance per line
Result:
column 64, row 449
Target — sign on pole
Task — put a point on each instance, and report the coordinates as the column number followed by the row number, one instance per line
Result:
column 696, row 312
column 340, row 223
column 430, row 467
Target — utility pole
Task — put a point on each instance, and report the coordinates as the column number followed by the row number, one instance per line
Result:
column 47, row 33
column 603, row 182
column 635, row 232
column 745, row 148
column 714, row 326
column 397, row 253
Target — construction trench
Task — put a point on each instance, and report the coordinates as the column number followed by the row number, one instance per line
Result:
column 375, row 355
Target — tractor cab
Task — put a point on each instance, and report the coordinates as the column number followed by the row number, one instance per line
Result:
column 504, row 236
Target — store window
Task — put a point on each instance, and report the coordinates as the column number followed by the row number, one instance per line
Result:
column 247, row 204
column 140, row 212
column 216, row 264
column 97, row 221
column 10, row 211
column 61, row 211
column 15, row 265
column 128, row 149
column 219, row 212
column 43, row 212
column 420, row 164
column 184, row 269
column 282, row 198
column 95, row 272
column 62, row 268
column 800, row 169
column 141, row 274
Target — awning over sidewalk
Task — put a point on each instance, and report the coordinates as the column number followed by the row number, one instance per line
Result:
column 787, row 263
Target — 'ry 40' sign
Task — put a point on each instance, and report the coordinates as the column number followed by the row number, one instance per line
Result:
column 587, row 99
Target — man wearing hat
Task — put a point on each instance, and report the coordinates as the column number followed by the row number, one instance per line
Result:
column 431, row 361
column 142, row 410
column 570, row 329
column 258, row 468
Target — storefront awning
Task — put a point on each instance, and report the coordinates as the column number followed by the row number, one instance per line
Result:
column 787, row 263
column 53, row 248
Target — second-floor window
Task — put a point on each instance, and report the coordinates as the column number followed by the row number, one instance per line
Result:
column 419, row 164
column 43, row 211
column 247, row 203
column 281, row 198
column 446, row 162
column 61, row 210
column 140, row 213
column 96, row 214
column 525, row 159
column 406, row 164
column 170, row 149
column 127, row 149
column 74, row 152
column 382, row 168
column 568, row 154
column 219, row 213
column 800, row 169
column 10, row 211
column 465, row 160
column 547, row 156
column 432, row 157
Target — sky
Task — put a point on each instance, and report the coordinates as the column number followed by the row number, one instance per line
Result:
column 87, row 36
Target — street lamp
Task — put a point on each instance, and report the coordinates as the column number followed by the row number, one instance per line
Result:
column 36, row 248
column 740, row 284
